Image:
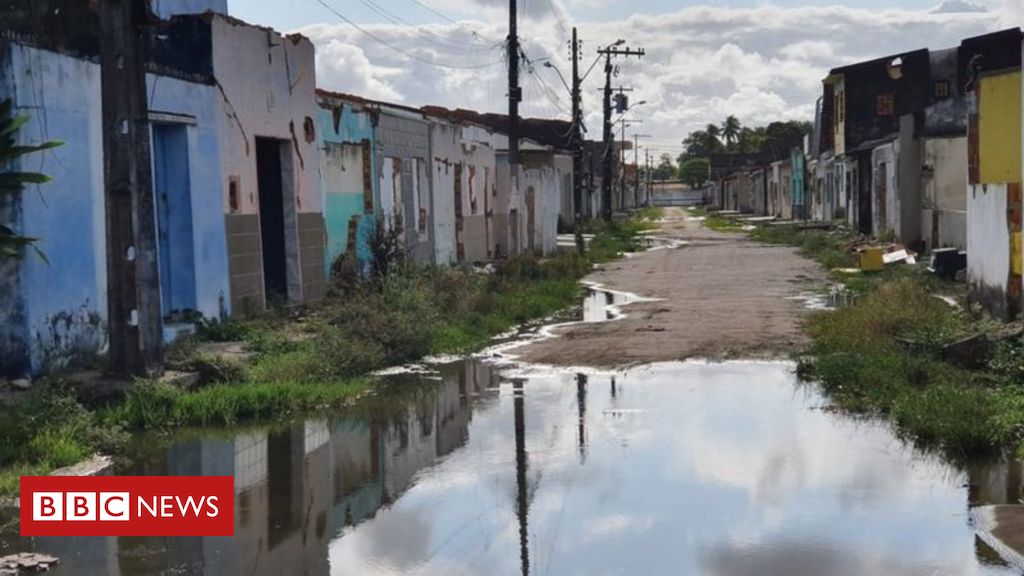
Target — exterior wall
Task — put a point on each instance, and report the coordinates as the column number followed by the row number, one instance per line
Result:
column 465, row 193
column 267, row 83
column 884, row 192
column 445, row 139
column 798, row 184
column 479, row 194
column 347, row 169
column 403, row 146
column 988, row 247
column 542, row 176
column 908, row 186
column 55, row 313
column 839, row 119
column 944, row 192
column 994, row 195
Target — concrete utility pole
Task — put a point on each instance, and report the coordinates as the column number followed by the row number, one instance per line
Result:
column 577, row 147
column 133, row 282
column 636, row 165
column 606, row 157
column 515, row 94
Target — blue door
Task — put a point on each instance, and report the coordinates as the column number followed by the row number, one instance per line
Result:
column 172, row 186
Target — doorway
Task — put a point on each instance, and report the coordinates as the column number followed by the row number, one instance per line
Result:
column 270, row 179
column 175, row 244
column 531, row 199
column 864, row 206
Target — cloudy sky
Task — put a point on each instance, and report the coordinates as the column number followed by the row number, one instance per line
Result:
column 759, row 61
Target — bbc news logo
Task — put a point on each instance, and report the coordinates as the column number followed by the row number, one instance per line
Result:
column 127, row 506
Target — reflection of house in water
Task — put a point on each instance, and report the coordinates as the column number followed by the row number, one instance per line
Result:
column 297, row 487
column 1001, row 483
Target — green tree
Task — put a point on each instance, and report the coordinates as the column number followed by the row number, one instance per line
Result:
column 665, row 169
column 12, row 182
column 731, row 131
column 695, row 171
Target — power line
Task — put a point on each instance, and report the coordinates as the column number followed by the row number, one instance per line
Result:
column 450, row 20
column 447, row 43
column 399, row 50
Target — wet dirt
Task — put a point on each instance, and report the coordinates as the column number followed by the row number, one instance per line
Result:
column 711, row 295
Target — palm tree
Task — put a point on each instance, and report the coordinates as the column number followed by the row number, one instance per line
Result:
column 731, row 130
column 712, row 144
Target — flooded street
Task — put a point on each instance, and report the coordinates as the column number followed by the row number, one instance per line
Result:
column 687, row 468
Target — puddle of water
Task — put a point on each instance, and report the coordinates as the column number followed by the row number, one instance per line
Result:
column 837, row 297
column 676, row 469
column 603, row 305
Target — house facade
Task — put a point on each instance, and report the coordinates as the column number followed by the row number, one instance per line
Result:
column 992, row 65
column 54, row 311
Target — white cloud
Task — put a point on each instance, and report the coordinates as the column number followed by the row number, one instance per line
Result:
column 702, row 64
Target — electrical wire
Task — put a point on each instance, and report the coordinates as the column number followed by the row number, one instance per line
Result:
column 446, row 43
column 399, row 50
column 450, row 20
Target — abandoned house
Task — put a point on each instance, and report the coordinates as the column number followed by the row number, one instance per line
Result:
column 55, row 311
column 991, row 66
column 348, row 176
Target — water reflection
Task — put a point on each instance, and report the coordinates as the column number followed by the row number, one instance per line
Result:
column 700, row 469
column 602, row 305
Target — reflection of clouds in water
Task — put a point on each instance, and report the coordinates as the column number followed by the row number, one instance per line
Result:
column 811, row 558
column 773, row 448
column 614, row 524
column 723, row 467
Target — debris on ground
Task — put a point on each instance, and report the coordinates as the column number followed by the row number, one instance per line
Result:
column 946, row 263
column 971, row 353
column 26, row 562
column 874, row 257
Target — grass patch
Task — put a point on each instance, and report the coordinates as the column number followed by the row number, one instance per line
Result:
column 50, row 429
column 719, row 223
column 311, row 361
column 159, row 405
column 882, row 355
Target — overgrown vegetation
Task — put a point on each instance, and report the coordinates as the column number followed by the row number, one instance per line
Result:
column 313, row 359
column 884, row 354
column 49, row 429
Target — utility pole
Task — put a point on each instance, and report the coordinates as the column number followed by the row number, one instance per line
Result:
column 133, row 282
column 515, row 94
column 577, row 147
column 622, row 155
column 636, row 165
column 606, row 158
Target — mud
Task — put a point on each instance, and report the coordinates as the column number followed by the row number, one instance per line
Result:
column 721, row 296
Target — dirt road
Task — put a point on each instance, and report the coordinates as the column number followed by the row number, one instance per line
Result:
column 723, row 296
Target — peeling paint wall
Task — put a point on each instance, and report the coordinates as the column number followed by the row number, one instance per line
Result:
column 994, row 194
column 465, row 190
column 348, row 178
column 267, row 84
column 60, row 308
column 543, row 175
column 403, row 144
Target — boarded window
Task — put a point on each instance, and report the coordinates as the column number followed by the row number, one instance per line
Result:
column 885, row 104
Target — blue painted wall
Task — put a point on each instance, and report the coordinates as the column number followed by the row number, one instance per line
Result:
column 342, row 201
column 61, row 306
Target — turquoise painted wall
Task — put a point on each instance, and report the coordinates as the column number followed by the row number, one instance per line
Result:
column 339, row 123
